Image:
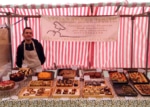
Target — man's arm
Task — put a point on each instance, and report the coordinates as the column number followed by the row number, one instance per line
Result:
column 41, row 54
column 19, row 57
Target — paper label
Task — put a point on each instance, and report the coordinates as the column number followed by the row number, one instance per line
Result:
column 141, row 70
column 106, row 74
column 90, row 98
column 106, row 98
column 38, row 70
column 14, row 71
column 5, row 78
column 74, row 67
column 120, row 70
column 77, row 78
column 7, row 98
column 86, row 77
column 99, row 70
column 24, row 65
column 64, row 99
column 129, row 98
column 59, row 77
column 14, row 97
column 34, row 78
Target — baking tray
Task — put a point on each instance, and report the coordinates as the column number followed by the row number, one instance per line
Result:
column 97, row 92
column 138, row 77
column 143, row 89
column 51, row 78
column 40, row 83
column 68, row 94
column 67, row 83
column 46, row 94
column 118, row 77
column 68, row 75
column 124, row 90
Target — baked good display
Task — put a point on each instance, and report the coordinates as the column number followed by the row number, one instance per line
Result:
column 143, row 89
column 138, row 77
column 67, row 73
column 67, row 83
column 124, row 90
column 93, row 74
column 35, row 92
column 66, row 92
column 100, row 92
column 26, row 71
column 94, row 83
column 45, row 75
column 117, row 77
column 40, row 83
column 16, row 76
column 6, row 85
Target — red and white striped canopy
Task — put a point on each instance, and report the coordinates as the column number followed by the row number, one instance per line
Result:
column 86, row 54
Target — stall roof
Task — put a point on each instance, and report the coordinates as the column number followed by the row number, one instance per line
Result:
column 61, row 3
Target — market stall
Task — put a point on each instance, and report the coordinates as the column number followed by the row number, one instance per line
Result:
column 84, row 67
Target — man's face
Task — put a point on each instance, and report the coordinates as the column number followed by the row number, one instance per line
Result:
column 28, row 34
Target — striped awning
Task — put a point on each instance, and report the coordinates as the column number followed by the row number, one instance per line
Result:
column 100, row 4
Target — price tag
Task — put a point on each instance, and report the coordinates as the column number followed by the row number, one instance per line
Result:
column 34, row 78
column 74, row 67
column 5, row 78
column 24, row 65
column 106, row 98
column 7, row 98
column 39, row 70
column 106, row 74
column 86, row 77
column 141, row 70
column 59, row 77
column 99, row 70
column 120, row 70
column 90, row 98
column 64, row 99
column 129, row 98
column 14, row 97
column 14, row 71
column 77, row 78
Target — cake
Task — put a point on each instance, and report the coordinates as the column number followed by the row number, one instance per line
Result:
column 26, row 71
column 67, row 73
column 44, row 75
column 6, row 85
column 17, row 76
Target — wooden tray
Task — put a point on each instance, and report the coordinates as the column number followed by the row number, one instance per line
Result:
column 63, row 83
column 97, row 83
column 46, row 94
column 40, row 85
column 96, row 93
column 76, row 95
column 143, row 89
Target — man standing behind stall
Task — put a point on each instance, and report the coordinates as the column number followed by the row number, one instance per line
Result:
column 30, row 51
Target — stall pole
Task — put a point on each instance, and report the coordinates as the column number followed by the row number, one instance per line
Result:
column 147, row 50
column 9, row 37
column 132, row 19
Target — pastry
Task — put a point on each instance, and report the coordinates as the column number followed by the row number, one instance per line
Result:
column 67, row 73
column 26, row 71
column 6, row 85
column 45, row 75
column 16, row 76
